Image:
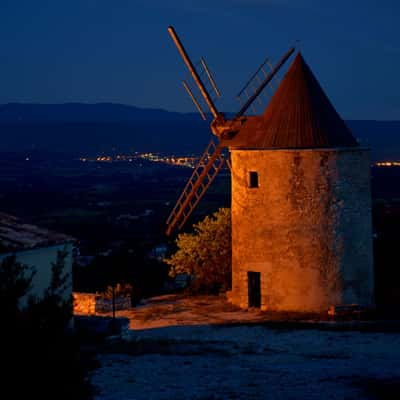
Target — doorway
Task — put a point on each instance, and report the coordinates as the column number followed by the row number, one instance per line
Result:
column 254, row 286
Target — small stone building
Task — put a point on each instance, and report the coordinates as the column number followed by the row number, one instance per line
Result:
column 301, row 204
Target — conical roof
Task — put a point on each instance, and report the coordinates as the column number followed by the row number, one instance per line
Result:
column 299, row 115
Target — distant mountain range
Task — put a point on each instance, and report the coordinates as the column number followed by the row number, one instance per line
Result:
column 95, row 128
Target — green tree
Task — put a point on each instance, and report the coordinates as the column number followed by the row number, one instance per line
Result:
column 205, row 254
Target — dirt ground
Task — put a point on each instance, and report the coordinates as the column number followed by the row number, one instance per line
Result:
column 204, row 348
column 181, row 310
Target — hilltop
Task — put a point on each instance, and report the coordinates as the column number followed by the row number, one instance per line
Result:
column 204, row 348
column 105, row 127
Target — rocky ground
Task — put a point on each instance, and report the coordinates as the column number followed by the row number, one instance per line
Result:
column 204, row 348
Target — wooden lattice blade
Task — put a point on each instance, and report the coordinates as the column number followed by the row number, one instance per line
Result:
column 207, row 169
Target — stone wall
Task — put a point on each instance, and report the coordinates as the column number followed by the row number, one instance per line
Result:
column 306, row 228
column 91, row 303
column 84, row 303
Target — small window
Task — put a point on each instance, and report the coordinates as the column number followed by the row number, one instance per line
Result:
column 253, row 179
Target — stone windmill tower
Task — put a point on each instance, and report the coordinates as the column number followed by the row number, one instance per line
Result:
column 301, row 203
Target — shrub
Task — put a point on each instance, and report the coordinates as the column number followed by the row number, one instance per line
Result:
column 205, row 254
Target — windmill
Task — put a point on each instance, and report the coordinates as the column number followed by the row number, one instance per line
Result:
column 300, row 199
column 212, row 159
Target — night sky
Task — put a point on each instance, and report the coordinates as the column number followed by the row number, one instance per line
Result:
column 119, row 51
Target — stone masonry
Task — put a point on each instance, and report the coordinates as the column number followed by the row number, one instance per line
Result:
column 92, row 303
column 306, row 228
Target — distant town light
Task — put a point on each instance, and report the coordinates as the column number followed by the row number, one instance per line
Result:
column 387, row 164
column 182, row 161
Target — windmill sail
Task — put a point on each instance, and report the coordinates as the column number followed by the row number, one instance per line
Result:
column 193, row 71
column 209, row 85
column 252, row 78
column 212, row 159
column 210, row 77
column 205, row 172
column 194, row 100
column 264, row 83
column 252, row 84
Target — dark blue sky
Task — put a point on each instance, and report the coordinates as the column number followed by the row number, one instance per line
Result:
column 55, row 51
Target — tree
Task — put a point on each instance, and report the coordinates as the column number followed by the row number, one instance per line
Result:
column 120, row 290
column 15, row 283
column 205, row 255
column 35, row 345
column 53, row 312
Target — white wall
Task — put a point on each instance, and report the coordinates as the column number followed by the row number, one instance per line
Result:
column 41, row 259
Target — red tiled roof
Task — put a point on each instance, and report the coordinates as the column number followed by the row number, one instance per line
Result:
column 299, row 115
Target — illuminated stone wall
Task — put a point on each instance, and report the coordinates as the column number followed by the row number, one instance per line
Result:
column 306, row 228
column 92, row 303
column 84, row 303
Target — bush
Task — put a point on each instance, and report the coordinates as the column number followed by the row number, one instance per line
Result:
column 205, row 254
column 120, row 290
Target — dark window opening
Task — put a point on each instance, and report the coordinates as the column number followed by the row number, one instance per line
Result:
column 253, row 179
column 254, row 289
